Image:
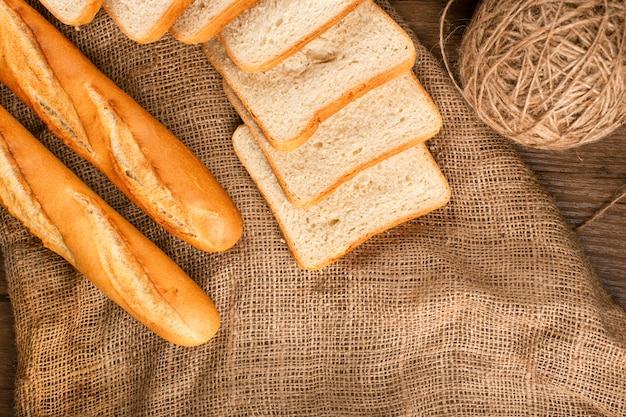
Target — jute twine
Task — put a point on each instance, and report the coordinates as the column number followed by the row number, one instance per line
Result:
column 548, row 74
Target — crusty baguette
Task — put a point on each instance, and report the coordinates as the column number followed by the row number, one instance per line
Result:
column 100, row 122
column 71, row 220
column 397, row 189
column 73, row 12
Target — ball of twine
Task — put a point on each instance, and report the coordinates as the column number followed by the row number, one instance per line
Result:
column 548, row 74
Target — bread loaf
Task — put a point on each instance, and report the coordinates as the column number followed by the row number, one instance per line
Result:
column 362, row 51
column 397, row 189
column 74, row 222
column 100, row 122
column 389, row 119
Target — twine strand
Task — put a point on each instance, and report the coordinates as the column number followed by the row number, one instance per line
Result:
column 617, row 196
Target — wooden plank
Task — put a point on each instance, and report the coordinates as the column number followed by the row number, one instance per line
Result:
column 8, row 354
column 7, row 357
column 4, row 291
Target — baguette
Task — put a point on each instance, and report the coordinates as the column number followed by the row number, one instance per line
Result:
column 104, row 125
column 73, row 221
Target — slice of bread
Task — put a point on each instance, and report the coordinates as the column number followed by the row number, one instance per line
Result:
column 73, row 12
column 271, row 30
column 362, row 51
column 204, row 19
column 389, row 119
column 402, row 187
column 145, row 21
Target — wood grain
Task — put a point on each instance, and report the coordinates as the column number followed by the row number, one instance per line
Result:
column 8, row 357
column 581, row 181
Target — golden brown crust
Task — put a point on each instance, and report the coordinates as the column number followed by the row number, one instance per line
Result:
column 212, row 222
column 106, row 248
column 18, row 198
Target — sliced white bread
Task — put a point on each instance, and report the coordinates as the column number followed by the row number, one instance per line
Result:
column 388, row 119
column 271, row 30
column 402, row 187
column 362, row 51
column 73, row 12
column 145, row 21
column 204, row 19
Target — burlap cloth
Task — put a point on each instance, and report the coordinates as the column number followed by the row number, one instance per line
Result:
column 484, row 307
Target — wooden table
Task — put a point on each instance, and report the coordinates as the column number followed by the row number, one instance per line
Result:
column 581, row 180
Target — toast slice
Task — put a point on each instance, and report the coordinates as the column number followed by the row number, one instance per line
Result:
column 204, row 19
column 389, row 119
column 271, row 30
column 145, row 21
column 73, row 12
column 362, row 51
column 402, row 187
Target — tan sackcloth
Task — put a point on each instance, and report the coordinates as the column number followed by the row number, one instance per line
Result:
column 484, row 307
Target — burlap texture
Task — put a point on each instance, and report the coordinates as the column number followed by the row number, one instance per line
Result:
column 484, row 307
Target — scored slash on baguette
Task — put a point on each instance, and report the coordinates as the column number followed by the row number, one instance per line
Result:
column 271, row 30
column 127, row 157
column 397, row 189
column 204, row 19
column 18, row 198
column 34, row 74
column 381, row 123
column 362, row 51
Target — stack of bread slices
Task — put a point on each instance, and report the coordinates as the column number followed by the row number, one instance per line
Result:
column 335, row 120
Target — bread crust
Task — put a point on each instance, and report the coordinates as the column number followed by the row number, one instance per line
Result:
column 110, row 252
column 214, row 26
column 210, row 220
